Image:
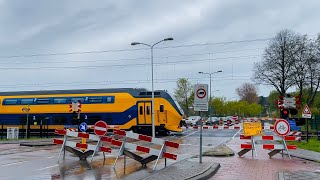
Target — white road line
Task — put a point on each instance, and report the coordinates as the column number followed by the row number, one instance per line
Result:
column 51, row 157
column 47, row 167
column 236, row 134
column 189, row 134
column 20, row 162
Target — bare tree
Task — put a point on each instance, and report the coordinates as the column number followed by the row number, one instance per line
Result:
column 276, row 66
column 313, row 71
column 182, row 94
column 248, row 92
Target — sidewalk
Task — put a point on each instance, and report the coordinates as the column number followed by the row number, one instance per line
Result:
column 187, row 169
column 305, row 154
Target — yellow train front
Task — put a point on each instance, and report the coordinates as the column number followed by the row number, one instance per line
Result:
column 128, row 108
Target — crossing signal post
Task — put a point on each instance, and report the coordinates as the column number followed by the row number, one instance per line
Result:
column 288, row 106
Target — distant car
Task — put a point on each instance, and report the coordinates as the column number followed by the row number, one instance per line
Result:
column 212, row 121
column 193, row 120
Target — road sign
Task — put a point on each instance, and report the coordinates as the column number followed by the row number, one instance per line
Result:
column 281, row 127
column 252, row 128
column 83, row 127
column 201, row 97
column 306, row 113
column 100, row 128
column 289, row 102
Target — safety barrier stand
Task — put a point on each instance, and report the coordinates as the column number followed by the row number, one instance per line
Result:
column 80, row 149
column 155, row 154
column 276, row 148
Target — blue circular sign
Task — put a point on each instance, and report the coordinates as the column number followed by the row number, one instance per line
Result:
column 83, row 127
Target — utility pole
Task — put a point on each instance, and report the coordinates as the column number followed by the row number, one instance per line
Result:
column 27, row 110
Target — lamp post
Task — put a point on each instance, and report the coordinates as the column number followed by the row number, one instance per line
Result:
column 210, row 74
column 152, row 90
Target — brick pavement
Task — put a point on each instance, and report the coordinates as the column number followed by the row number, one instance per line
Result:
column 299, row 175
column 261, row 167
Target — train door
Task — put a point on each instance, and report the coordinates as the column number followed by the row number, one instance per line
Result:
column 144, row 113
column 162, row 115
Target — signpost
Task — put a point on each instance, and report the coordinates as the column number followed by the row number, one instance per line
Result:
column 282, row 128
column 100, row 128
column 201, row 104
column 306, row 113
column 252, row 128
column 201, row 97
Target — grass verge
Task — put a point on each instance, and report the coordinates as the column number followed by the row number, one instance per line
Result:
column 312, row 145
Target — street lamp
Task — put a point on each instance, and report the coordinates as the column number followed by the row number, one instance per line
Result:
column 152, row 90
column 210, row 109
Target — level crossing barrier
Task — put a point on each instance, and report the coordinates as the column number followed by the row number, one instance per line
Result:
column 129, row 149
column 82, row 150
column 296, row 134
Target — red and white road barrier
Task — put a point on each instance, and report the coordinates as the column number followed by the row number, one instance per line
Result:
column 76, row 145
column 253, row 119
column 213, row 127
column 275, row 147
column 160, row 153
column 297, row 135
column 108, row 126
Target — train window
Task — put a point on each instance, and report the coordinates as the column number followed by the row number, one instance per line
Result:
column 148, row 110
column 26, row 101
column 93, row 119
column 60, row 101
column 43, row 101
column 77, row 99
column 10, row 101
column 141, row 110
column 95, row 100
column 161, row 108
column 60, row 120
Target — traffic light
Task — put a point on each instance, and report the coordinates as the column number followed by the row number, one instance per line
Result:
column 293, row 111
column 284, row 113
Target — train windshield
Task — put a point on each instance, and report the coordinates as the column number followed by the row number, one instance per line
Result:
column 177, row 104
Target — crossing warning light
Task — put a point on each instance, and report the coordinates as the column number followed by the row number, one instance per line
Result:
column 284, row 113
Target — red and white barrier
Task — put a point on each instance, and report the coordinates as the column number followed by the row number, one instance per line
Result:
column 275, row 147
column 76, row 145
column 297, row 135
column 213, row 127
column 160, row 153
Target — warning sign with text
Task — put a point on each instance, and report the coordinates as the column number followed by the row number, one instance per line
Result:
column 252, row 128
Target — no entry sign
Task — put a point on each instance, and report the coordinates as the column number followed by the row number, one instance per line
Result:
column 100, row 128
column 281, row 127
column 201, row 97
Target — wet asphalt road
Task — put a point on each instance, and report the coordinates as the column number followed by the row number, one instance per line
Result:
column 17, row 162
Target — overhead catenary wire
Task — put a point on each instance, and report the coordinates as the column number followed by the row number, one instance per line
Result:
column 136, row 49
column 126, row 65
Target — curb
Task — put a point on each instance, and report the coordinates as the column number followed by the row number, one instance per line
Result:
column 302, row 157
column 206, row 174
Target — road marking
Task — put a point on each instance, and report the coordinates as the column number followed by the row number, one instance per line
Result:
column 236, row 134
column 47, row 167
column 20, row 162
column 50, row 157
column 189, row 134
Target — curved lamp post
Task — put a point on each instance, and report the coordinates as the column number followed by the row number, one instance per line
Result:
column 152, row 90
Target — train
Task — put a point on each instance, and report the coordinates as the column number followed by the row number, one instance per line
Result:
column 126, row 108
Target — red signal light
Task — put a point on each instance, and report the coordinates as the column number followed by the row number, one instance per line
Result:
column 285, row 112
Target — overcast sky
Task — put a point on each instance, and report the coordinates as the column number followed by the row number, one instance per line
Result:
column 37, row 38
